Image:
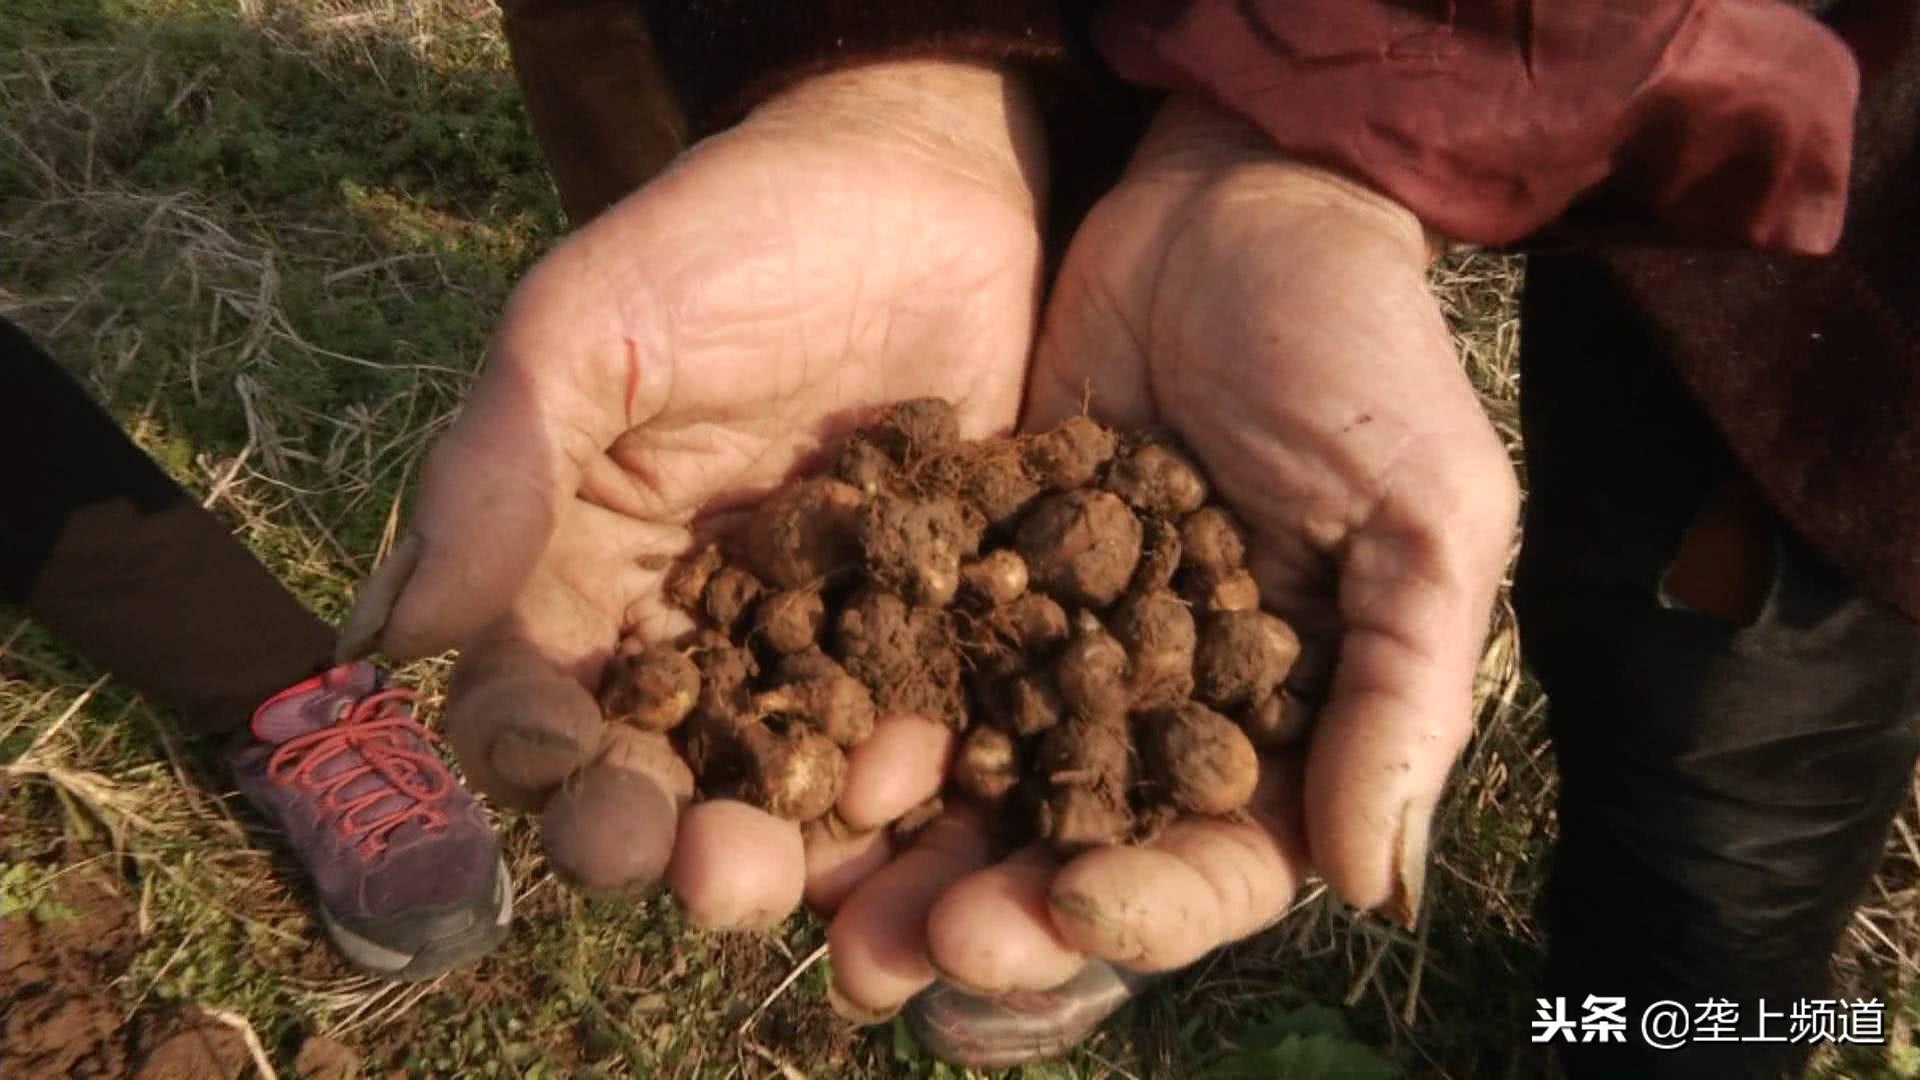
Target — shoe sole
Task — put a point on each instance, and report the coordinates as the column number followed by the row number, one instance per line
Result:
column 437, row 957
column 980, row 1034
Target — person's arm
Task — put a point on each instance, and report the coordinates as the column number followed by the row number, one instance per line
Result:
column 595, row 95
column 721, row 58
column 1688, row 121
column 1673, row 121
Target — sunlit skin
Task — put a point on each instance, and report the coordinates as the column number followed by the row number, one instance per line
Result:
column 872, row 237
column 859, row 240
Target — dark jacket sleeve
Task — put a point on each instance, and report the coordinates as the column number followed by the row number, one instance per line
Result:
column 1699, row 121
column 1695, row 121
column 723, row 57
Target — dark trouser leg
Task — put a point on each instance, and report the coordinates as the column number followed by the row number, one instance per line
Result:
column 599, row 104
column 1729, row 762
column 101, row 547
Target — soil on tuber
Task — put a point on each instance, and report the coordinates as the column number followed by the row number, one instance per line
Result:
column 1072, row 602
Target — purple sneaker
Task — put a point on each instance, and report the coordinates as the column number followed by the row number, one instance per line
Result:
column 409, row 876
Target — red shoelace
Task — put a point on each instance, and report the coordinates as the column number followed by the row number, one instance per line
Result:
column 378, row 727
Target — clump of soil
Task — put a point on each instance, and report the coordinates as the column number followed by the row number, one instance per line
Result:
column 59, row 1015
column 1074, row 602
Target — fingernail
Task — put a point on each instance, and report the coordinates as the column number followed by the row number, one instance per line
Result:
column 847, row 1009
column 1410, row 867
column 361, row 633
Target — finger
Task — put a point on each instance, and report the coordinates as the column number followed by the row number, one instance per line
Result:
column 518, row 724
column 737, row 867
column 992, row 932
column 878, row 938
column 501, row 472
column 559, row 387
column 838, row 860
column 609, row 829
column 1398, row 712
column 900, row 766
column 1199, row 885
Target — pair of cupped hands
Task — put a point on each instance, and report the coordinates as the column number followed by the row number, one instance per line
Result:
column 872, row 236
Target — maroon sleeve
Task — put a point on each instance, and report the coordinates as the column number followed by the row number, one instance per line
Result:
column 1697, row 121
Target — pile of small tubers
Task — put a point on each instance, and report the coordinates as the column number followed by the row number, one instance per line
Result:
column 1072, row 603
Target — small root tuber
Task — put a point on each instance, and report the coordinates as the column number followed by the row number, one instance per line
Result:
column 907, row 656
column 997, row 578
column 874, row 638
column 864, row 466
column 731, row 592
column 1210, row 592
column 1071, row 455
column 1086, row 770
column 687, row 581
column 1158, row 632
column 1160, row 556
column 913, row 547
column 725, row 670
column 988, row 765
column 1092, row 672
column 990, row 478
column 789, row 621
column 1076, row 819
column 1026, row 704
column 1036, row 705
column 1081, row 547
column 652, row 687
column 797, row 776
column 1206, row 762
column 1241, row 657
column 913, row 428
column 837, row 706
column 805, row 665
column 1157, row 479
column 1212, row 540
column 1036, row 624
column 803, row 532
column 1088, row 752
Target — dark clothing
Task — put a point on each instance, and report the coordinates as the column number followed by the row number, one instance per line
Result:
column 1726, row 784
column 101, row 547
column 1730, row 125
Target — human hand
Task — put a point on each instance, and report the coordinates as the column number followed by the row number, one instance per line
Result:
column 861, row 238
column 1278, row 319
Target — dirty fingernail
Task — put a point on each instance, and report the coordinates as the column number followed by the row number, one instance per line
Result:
column 361, row 633
column 853, row 1012
column 1410, row 863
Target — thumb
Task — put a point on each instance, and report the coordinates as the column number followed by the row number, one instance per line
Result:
column 1400, row 708
column 490, row 494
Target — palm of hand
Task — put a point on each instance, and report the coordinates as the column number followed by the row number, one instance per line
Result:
column 678, row 356
column 1294, row 347
column 1310, row 370
column 725, row 322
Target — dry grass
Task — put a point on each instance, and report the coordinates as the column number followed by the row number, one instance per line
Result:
column 271, row 235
